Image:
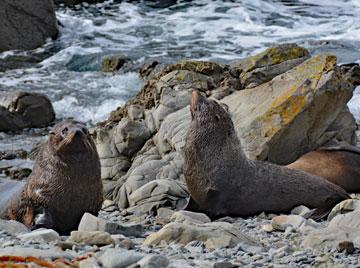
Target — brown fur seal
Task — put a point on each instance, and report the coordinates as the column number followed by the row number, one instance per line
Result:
column 65, row 181
column 339, row 165
column 223, row 181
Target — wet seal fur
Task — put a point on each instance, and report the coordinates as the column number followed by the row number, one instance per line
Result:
column 223, row 181
column 64, row 184
column 338, row 164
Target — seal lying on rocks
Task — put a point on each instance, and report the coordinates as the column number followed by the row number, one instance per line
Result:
column 338, row 164
column 223, row 181
column 65, row 181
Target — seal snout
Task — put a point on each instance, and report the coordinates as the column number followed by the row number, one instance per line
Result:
column 196, row 100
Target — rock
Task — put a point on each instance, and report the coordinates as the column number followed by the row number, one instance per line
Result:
column 20, row 110
column 47, row 235
column 164, row 215
column 153, row 261
column 13, row 227
column 113, row 63
column 350, row 220
column 330, row 237
column 344, row 207
column 224, row 264
column 89, row 263
column 282, row 222
column 348, row 246
column 214, row 235
column 13, row 154
column 18, row 173
column 266, row 65
column 119, row 258
column 91, row 237
column 300, row 210
column 90, row 223
column 158, row 192
column 26, row 24
column 290, row 111
column 188, row 217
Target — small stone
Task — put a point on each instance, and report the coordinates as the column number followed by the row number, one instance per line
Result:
column 153, row 261
column 13, row 227
column 281, row 222
column 224, row 264
column 119, row 258
column 300, row 210
column 91, row 223
column 64, row 245
column 348, row 246
column 91, row 238
column 267, row 228
column 113, row 63
column 188, row 217
column 88, row 263
column 47, row 235
column 126, row 244
column 107, row 203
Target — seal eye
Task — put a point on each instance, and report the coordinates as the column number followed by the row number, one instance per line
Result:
column 64, row 131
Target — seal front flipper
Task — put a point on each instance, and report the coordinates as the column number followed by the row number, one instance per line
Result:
column 317, row 214
column 43, row 219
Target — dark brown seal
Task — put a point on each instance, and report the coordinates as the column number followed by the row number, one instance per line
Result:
column 223, row 181
column 65, row 181
column 338, row 164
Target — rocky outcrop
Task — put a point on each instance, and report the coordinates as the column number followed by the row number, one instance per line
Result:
column 21, row 110
column 291, row 111
column 288, row 114
column 26, row 24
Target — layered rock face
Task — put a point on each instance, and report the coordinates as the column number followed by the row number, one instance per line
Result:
column 21, row 110
column 26, row 24
column 282, row 101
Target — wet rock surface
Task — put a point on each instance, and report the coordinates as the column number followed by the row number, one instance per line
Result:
column 21, row 110
column 26, row 24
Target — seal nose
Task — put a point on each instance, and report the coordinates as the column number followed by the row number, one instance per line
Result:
column 194, row 99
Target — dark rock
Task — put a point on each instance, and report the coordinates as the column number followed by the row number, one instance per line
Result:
column 21, row 110
column 26, row 24
column 348, row 246
column 113, row 63
column 18, row 174
column 10, row 155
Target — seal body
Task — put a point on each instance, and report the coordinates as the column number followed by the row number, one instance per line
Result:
column 339, row 165
column 223, row 181
column 65, row 181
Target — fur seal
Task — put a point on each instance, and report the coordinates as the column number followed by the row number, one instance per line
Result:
column 65, row 181
column 223, row 181
column 338, row 164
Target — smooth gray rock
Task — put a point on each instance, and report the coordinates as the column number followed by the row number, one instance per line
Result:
column 13, row 227
column 91, row 223
column 26, row 24
column 46, row 235
column 19, row 110
column 119, row 258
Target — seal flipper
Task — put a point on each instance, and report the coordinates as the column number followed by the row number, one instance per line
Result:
column 318, row 214
column 43, row 220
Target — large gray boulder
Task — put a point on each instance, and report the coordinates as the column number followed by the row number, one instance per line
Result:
column 19, row 110
column 26, row 24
